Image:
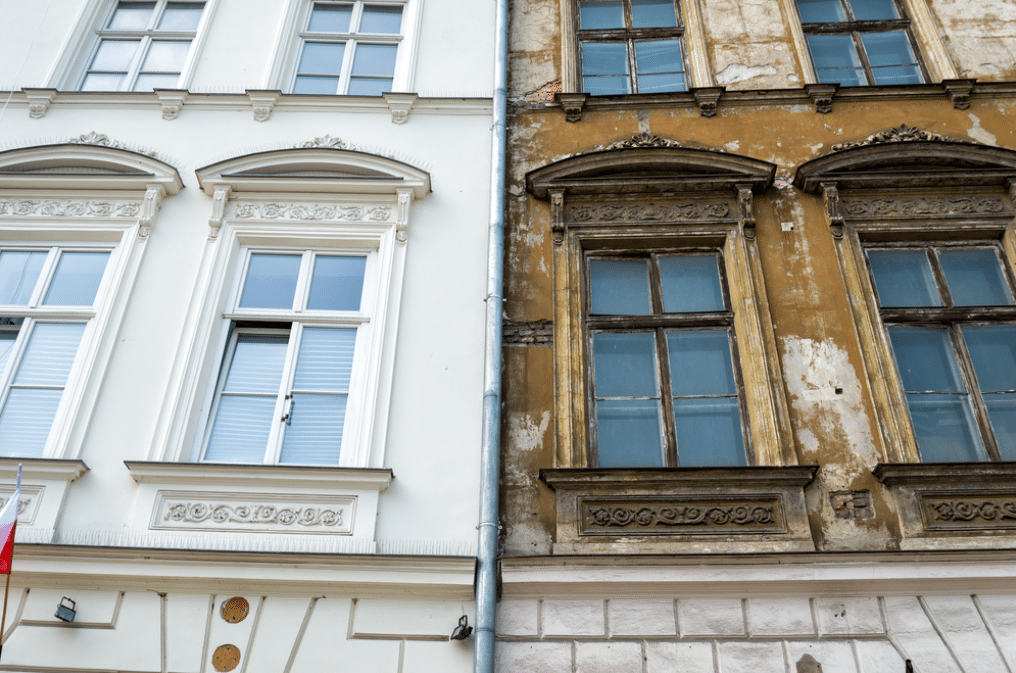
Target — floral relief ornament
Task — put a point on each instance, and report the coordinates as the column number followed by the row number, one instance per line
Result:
column 197, row 512
column 326, row 142
column 899, row 134
column 57, row 208
column 102, row 140
column 640, row 140
column 313, row 212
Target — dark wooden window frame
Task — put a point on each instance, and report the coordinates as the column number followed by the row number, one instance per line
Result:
column 629, row 35
column 952, row 318
column 854, row 28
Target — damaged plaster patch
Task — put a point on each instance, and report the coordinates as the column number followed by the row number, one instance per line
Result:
column 978, row 133
column 738, row 72
column 524, row 436
column 732, row 146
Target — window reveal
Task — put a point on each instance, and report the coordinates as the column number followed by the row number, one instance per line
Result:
column 951, row 319
column 665, row 389
column 630, row 46
column 143, row 46
column 860, row 42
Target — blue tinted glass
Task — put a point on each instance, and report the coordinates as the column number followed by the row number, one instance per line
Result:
column 660, row 67
column 653, row 14
column 992, row 350
column 601, row 15
column 242, row 426
column 314, row 432
column 926, row 360
column 945, row 428
column 337, row 283
column 50, row 354
column 891, row 58
column 628, row 433
column 375, row 60
column 625, row 364
column 700, row 362
column 821, row 11
column 26, row 420
column 369, row 86
column 316, row 85
column 691, row 283
column 325, row 362
column 619, row 286
column 322, row 58
column 257, row 364
column 709, row 432
column 181, row 16
column 1002, row 412
column 836, row 60
column 19, row 272
column 131, row 16
column 330, row 18
column 271, row 281
column 904, row 278
column 975, row 277
column 381, row 19
column 874, row 10
column 605, row 68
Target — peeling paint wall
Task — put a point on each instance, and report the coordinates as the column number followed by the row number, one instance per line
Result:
column 980, row 36
column 749, row 45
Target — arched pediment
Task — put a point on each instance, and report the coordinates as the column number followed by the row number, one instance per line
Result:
column 911, row 164
column 84, row 166
column 314, row 170
column 650, row 170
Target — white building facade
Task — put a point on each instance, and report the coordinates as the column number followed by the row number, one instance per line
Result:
column 242, row 265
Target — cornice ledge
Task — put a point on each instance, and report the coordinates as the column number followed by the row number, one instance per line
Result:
column 42, row 469
column 947, row 474
column 274, row 476
column 662, row 477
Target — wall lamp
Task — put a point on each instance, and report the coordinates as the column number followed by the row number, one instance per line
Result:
column 463, row 630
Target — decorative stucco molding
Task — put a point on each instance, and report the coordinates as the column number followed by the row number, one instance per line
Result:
column 311, row 212
column 995, row 511
column 924, row 206
column 172, row 101
column 680, row 515
column 400, row 104
column 39, row 101
column 663, row 212
column 220, row 199
column 149, row 207
column 102, row 140
column 326, row 142
column 642, row 140
column 196, row 512
column 899, row 134
column 265, row 513
column 68, row 208
column 263, row 103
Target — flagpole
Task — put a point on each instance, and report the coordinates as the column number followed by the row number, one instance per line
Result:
column 14, row 503
column 7, row 588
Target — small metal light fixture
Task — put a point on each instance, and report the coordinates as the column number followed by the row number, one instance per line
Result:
column 463, row 630
column 64, row 612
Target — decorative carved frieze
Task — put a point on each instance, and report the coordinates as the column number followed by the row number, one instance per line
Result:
column 923, row 206
column 23, row 503
column 699, row 210
column 68, row 208
column 677, row 516
column 102, row 140
column 326, row 142
column 899, row 134
column 995, row 511
column 642, row 140
column 267, row 514
column 311, row 212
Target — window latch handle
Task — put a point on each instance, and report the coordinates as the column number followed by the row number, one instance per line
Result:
column 288, row 416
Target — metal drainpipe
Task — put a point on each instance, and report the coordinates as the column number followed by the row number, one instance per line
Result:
column 487, row 547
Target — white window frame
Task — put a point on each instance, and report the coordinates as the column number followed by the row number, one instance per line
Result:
column 289, row 47
column 295, row 321
column 49, row 202
column 69, row 71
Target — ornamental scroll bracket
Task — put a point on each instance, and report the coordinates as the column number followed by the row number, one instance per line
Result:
column 402, row 214
column 219, row 201
column 149, row 207
column 831, row 197
column 746, row 216
column 557, row 215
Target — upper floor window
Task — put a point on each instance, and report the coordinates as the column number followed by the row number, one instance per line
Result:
column 665, row 388
column 348, row 48
column 949, row 312
column 143, row 45
column 284, row 383
column 46, row 302
column 630, row 46
column 860, row 42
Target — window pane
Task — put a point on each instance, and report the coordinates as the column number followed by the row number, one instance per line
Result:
column 601, row 15
column 874, row 10
column 369, row 86
column 836, row 60
column 181, row 16
column 102, row 82
column 904, row 278
column 700, row 362
column 7, row 340
column 326, row 359
column 891, row 58
column 926, row 360
column 653, row 14
column 337, row 283
column 50, row 354
column 316, row 85
column 152, row 82
column 271, row 281
column 821, row 11
column 1002, row 412
column 944, row 425
column 709, row 432
column 322, row 58
column 131, row 16
column 19, row 272
column 691, row 283
column 385, row 19
column 241, row 430
column 992, row 350
column 625, row 364
column 166, row 57
column 375, row 59
column 257, row 364
column 605, row 68
column 314, row 433
column 330, row 18
column 26, row 420
column 619, row 286
column 975, row 277
column 659, row 66
column 115, row 55
column 628, row 433
column 77, row 279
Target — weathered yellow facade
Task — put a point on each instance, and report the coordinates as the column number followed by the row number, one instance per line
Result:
column 836, row 401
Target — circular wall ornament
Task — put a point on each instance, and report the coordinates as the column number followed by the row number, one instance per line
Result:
column 226, row 657
column 235, row 610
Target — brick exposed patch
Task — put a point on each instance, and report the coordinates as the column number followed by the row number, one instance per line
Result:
column 536, row 333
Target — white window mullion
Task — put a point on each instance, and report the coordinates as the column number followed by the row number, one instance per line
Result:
column 45, row 277
column 347, row 65
column 11, row 364
column 285, row 402
column 303, row 282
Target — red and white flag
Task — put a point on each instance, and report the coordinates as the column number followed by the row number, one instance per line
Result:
column 8, row 522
